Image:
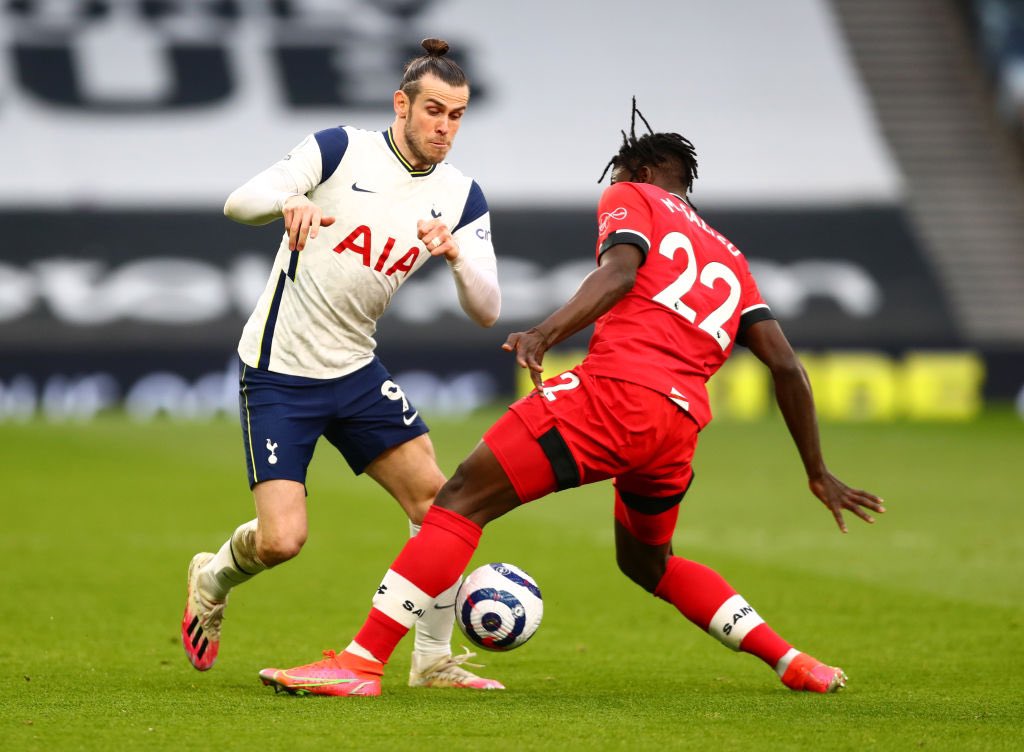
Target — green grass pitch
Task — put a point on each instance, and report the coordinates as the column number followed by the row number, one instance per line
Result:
column 923, row 610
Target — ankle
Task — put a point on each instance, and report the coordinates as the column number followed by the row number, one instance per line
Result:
column 785, row 660
column 355, row 662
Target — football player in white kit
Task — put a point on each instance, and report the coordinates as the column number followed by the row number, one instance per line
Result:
column 363, row 210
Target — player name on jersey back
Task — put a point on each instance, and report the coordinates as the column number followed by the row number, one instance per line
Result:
column 693, row 297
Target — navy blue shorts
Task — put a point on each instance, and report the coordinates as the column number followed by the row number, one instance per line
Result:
column 361, row 414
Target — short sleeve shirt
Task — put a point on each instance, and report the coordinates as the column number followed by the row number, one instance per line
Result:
column 693, row 299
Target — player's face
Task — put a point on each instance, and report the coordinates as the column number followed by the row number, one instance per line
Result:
column 433, row 119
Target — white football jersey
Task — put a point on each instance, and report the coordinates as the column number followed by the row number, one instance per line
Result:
column 318, row 314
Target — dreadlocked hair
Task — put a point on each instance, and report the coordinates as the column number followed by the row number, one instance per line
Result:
column 654, row 149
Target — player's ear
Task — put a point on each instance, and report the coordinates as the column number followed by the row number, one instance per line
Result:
column 401, row 104
column 643, row 174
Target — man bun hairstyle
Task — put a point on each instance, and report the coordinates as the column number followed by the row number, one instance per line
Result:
column 435, row 47
column 435, row 62
column 654, row 149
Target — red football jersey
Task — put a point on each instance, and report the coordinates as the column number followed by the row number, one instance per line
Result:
column 694, row 296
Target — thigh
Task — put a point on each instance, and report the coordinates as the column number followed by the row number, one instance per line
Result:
column 647, row 497
column 649, row 520
column 280, row 509
column 372, row 416
column 588, row 430
column 535, row 467
column 409, row 472
column 480, row 489
column 667, row 470
column 281, row 421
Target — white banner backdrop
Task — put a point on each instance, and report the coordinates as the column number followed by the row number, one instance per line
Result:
column 123, row 103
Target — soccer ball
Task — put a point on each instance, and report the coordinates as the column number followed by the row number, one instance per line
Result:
column 498, row 606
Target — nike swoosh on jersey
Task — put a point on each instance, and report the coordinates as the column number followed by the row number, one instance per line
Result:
column 355, row 187
column 450, row 605
column 408, row 421
column 434, row 214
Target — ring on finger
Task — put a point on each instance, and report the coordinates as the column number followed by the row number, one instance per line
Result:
column 435, row 242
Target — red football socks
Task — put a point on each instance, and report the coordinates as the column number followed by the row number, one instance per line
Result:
column 429, row 563
column 707, row 600
column 440, row 552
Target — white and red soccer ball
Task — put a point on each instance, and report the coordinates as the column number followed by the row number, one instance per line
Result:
column 498, row 606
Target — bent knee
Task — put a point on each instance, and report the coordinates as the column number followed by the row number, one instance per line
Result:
column 645, row 571
column 449, row 491
column 417, row 504
column 417, row 510
column 273, row 550
column 453, row 497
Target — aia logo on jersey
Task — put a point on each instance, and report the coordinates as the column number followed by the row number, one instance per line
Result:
column 360, row 241
column 607, row 217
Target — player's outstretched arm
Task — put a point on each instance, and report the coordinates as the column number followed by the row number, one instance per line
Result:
column 599, row 291
column 793, row 394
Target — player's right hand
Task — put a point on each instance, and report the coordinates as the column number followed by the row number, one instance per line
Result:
column 529, row 348
column 303, row 219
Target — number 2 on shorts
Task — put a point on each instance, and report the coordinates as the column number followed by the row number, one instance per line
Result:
column 569, row 381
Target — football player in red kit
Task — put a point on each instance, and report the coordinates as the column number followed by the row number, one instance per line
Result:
column 670, row 298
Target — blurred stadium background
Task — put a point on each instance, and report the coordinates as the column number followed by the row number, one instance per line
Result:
column 867, row 156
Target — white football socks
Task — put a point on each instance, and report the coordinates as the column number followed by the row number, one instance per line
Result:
column 434, row 628
column 235, row 563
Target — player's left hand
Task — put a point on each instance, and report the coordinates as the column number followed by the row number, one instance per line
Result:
column 433, row 233
column 837, row 496
column 529, row 348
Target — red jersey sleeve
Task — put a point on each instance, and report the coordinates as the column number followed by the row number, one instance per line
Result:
column 623, row 216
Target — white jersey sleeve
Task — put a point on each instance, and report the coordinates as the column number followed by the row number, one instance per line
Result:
column 476, row 269
column 261, row 199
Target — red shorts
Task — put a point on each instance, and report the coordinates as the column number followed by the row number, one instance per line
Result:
column 585, row 429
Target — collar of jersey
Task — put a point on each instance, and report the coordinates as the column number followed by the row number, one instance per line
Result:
column 390, row 140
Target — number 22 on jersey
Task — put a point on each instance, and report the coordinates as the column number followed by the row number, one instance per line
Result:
column 672, row 297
